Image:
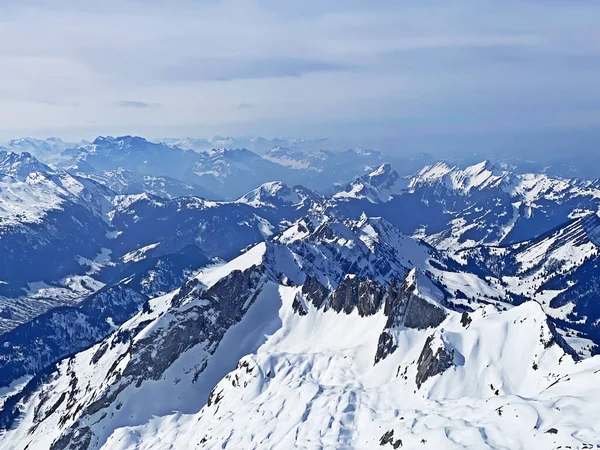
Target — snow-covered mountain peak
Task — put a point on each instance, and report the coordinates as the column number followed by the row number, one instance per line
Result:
column 322, row 334
column 47, row 150
column 21, row 141
column 28, row 196
column 20, row 165
column 124, row 144
column 32, row 142
column 431, row 173
column 255, row 256
column 276, row 193
column 123, row 202
column 330, row 248
column 385, row 179
column 378, row 186
column 479, row 176
column 377, row 230
column 383, row 170
column 103, row 140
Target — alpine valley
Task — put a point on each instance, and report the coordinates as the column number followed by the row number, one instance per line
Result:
column 190, row 294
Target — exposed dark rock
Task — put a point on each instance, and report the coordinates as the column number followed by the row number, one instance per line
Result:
column 432, row 363
column 54, row 407
column 76, row 439
column 366, row 296
column 387, row 438
column 405, row 307
column 345, row 297
column 370, row 297
column 230, row 298
column 465, row 319
column 421, row 314
column 385, row 347
column 314, row 291
column 184, row 291
column 298, row 306
column 214, row 397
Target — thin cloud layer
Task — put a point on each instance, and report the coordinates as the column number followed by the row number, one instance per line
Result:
column 136, row 104
column 78, row 69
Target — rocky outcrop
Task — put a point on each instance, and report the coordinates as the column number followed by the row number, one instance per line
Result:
column 388, row 438
column 366, row 296
column 298, row 306
column 407, row 306
column 413, row 304
column 434, row 360
column 314, row 291
column 385, row 346
column 556, row 338
column 370, row 297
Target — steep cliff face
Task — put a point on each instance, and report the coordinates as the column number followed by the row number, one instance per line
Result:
column 364, row 296
column 435, row 359
column 416, row 303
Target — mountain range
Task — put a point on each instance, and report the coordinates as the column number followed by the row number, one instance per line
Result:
column 169, row 295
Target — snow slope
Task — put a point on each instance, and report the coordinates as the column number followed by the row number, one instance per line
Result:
column 190, row 372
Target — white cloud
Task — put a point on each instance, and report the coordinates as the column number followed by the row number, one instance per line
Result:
column 70, row 67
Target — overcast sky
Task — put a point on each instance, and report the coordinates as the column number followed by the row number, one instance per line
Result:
column 308, row 68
